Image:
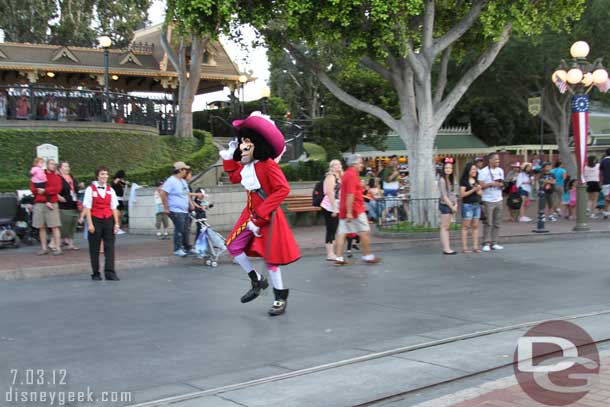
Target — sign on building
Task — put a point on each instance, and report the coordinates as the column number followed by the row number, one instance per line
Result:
column 48, row 152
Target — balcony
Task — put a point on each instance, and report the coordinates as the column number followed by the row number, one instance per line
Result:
column 52, row 107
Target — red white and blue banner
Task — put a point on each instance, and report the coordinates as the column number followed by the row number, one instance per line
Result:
column 580, row 126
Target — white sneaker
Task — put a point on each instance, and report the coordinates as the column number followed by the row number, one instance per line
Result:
column 486, row 248
column 497, row 247
column 120, row 232
column 180, row 253
column 525, row 219
column 159, row 235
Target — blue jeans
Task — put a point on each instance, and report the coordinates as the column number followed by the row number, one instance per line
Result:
column 181, row 230
column 471, row 211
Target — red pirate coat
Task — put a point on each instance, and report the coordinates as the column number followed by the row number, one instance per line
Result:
column 276, row 244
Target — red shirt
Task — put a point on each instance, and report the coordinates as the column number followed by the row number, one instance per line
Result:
column 52, row 188
column 350, row 184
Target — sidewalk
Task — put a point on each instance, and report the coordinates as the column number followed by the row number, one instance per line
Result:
column 506, row 392
column 138, row 251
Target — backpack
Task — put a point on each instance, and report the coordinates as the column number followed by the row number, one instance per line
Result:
column 317, row 195
column 514, row 201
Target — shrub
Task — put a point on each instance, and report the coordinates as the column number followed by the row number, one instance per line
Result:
column 146, row 158
column 305, row 170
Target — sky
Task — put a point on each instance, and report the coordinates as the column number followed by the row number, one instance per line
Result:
column 254, row 59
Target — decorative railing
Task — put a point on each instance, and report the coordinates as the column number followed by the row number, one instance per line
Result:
column 141, row 47
column 65, row 105
column 456, row 130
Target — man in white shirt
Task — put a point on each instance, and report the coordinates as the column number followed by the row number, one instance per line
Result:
column 491, row 179
column 100, row 204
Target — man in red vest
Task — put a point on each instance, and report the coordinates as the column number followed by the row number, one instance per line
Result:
column 100, row 204
column 44, row 216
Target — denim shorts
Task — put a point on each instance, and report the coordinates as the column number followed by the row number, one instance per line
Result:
column 444, row 209
column 390, row 192
column 523, row 192
column 471, row 211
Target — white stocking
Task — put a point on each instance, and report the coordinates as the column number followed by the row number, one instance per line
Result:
column 275, row 275
column 245, row 264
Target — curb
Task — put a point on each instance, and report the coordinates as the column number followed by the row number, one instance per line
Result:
column 164, row 261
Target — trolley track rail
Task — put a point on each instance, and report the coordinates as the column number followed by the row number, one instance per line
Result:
column 373, row 356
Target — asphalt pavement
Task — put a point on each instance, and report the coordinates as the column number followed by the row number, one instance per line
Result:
column 166, row 331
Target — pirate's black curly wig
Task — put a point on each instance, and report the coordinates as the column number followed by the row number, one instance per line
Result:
column 262, row 150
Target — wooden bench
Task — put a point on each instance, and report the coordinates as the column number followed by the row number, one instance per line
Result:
column 299, row 210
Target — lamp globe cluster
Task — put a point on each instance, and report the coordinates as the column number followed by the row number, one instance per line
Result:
column 575, row 75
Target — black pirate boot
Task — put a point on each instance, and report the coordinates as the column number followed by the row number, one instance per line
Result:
column 280, row 303
column 257, row 287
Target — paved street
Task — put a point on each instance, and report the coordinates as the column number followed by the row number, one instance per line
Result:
column 167, row 331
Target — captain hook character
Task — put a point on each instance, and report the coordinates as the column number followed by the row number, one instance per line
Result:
column 262, row 229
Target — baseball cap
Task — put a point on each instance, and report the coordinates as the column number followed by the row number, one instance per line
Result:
column 179, row 165
column 479, row 159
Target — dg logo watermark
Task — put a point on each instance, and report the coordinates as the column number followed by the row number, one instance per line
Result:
column 556, row 363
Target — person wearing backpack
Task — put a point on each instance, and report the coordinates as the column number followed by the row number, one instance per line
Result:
column 330, row 205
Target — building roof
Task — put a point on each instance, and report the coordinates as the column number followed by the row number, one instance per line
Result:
column 144, row 62
column 451, row 140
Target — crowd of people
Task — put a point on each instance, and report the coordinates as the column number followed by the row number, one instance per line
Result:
column 352, row 199
column 482, row 189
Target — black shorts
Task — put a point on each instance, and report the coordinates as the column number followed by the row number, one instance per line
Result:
column 593, row 186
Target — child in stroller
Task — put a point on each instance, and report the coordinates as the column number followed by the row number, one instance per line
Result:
column 209, row 244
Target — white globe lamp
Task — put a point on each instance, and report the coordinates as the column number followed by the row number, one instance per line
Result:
column 579, row 49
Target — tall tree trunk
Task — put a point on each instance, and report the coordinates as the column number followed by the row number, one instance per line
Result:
column 189, row 76
column 557, row 116
column 423, row 206
column 184, row 124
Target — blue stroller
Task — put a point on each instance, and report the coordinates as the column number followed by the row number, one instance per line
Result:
column 209, row 244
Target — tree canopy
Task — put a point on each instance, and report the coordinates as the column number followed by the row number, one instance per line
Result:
column 72, row 22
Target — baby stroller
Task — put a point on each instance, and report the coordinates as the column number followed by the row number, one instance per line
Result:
column 8, row 215
column 24, row 229
column 209, row 244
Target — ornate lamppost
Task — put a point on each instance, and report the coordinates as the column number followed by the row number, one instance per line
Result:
column 579, row 76
column 265, row 93
column 105, row 42
column 242, row 81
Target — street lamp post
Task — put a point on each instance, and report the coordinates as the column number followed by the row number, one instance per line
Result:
column 265, row 93
column 579, row 76
column 105, row 42
column 535, row 107
column 242, row 80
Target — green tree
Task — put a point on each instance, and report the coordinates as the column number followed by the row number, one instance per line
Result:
column 26, row 20
column 346, row 127
column 190, row 24
column 72, row 22
column 524, row 68
column 409, row 44
column 295, row 84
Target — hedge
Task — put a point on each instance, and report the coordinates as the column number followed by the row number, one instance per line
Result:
column 125, row 151
column 305, row 170
column 145, row 158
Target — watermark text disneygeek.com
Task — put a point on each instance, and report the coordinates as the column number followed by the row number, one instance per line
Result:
column 49, row 387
